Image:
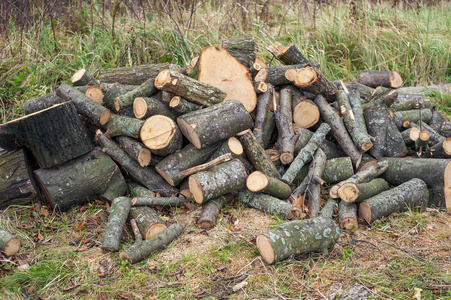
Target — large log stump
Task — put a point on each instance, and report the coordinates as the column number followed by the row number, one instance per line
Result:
column 147, row 220
column 9, row 244
column 133, row 75
column 388, row 79
column 161, row 135
column 116, row 220
column 88, row 177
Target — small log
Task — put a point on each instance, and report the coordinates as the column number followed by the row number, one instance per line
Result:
column 146, row 89
column 133, row 75
column 260, row 182
column 415, row 115
column 306, row 114
column 144, row 107
column 83, row 77
column 260, row 87
column 315, row 182
column 414, row 103
column 410, row 194
column 278, row 75
column 328, row 209
column 347, row 215
column 211, row 209
column 434, row 136
column 115, row 91
column 440, row 150
column 135, row 150
column 257, row 66
column 289, row 55
column 147, row 220
column 120, row 125
column 161, row 135
column 116, row 220
column 410, row 136
column 421, row 143
column 436, row 121
column 306, row 153
column 444, row 88
column 159, row 201
column 270, row 205
column 181, row 106
column 137, row 190
column 184, row 190
column 231, row 146
column 210, row 125
column 95, row 93
column 242, row 48
column 9, row 244
column 295, row 237
column 357, row 192
column 142, row 249
column 222, row 179
column 304, row 135
column 364, row 91
column 286, row 137
column 384, row 97
column 388, row 79
column 268, row 128
column 357, row 109
column 311, row 80
column 263, row 101
column 36, row 104
column 338, row 169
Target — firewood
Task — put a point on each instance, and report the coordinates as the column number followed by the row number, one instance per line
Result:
column 445, row 88
column 115, row 91
column 120, row 125
column 434, row 136
column 389, row 79
column 289, row 55
column 347, row 215
column 133, row 75
column 364, row 91
column 147, row 89
column 279, row 75
column 106, row 87
column 410, row 136
column 414, row 103
column 257, row 66
column 147, row 220
column 311, row 80
column 88, row 177
column 230, row 146
column 304, row 135
column 306, row 113
column 161, row 135
column 95, row 93
column 116, row 220
column 286, row 137
column 357, row 192
column 415, row 115
column 144, row 107
column 328, row 209
column 83, row 77
column 211, row 209
column 410, row 194
column 357, row 109
column 242, row 48
column 421, row 143
column 135, row 150
column 260, row 182
column 315, row 182
column 207, row 126
column 137, row 190
column 263, row 101
column 338, row 169
column 440, row 150
column 181, row 106
column 436, row 121
column 36, row 104
column 9, row 244
column 260, row 87
column 385, row 97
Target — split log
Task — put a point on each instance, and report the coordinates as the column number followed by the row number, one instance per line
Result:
column 36, row 104
column 147, row 220
column 270, row 205
column 357, row 192
column 161, row 135
column 311, row 80
column 89, row 177
column 410, row 194
column 415, row 115
column 120, row 125
column 181, row 106
column 116, row 220
column 388, row 79
column 210, row 211
column 289, row 55
column 83, row 77
column 260, row 182
column 338, row 169
column 144, row 107
column 95, row 93
column 279, row 75
column 242, row 48
column 53, row 135
column 115, row 91
column 220, row 180
column 410, row 136
column 286, row 137
column 96, row 113
column 263, row 101
column 306, row 114
column 295, row 237
column 385, row 97
column 315, row 182
column 17, row 183
column 144, row 176
column 133, row 75
column 142, row 249
column 135, row 150
column 146, row 89
column 207, row 126
column 137, row 190
column 304, row 135
column 9, row 244
column 347, row 215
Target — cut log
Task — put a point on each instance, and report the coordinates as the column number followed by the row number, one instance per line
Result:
column 357, row 109
column 135, row 150
column 137, row 190
column 410, row 136
column 286, row 137
column 210, row 212
column 270, row 205
column 306, row 114
column 161, row 135
column 159, row 201
column 260, row 182
column 242, row 48
column 147, row 220
column 328, row 209
column 444, row 88
column 388, row 79
column 268, row 129
column 311, row 80
column 296, row 237
column 289, row 55
column 436, row 121
column 181, row 106
column 421, row 143
column 304, row 135
column 315, row 182
column 53, row 135
column 231, row 146
column 144, row 107
column 133, row 75
column 36, row 104
column 120, row 125
column 414, row 103
column 385, row 97
column 279, row 75
column 357, row 192
column 146, row 89
column 415, row 115
column 364, row 91
column 347, row 215
column 434, row 136
column 116, row 220
column 9, row 244
column 338, row 169
column 220, row 180
column 440, row 150
column 95, row 93
column 263, row 101
column 115, row 91
column 142, row 249
column 260, row 87
column 83, row 77
column 207, row 126
column 257, row 66
column 411, row 194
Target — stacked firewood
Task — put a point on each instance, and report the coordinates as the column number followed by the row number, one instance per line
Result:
column 276, row 138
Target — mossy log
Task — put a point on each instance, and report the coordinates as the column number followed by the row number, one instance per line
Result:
column 210, row 211
column 311, row 80
column 411, row 194
column 347, row 215
column 210, row 125
column 306, row 113
column 289, row 55
column 338, row 169
column 142, row 249
column 286, row 137
column 222, row 179
column 161, row 135
column 146, row 89
column 133, row 75
column 414, row 103
column 9, row 244
column 114, row 91
column 119, row 211
column 415, row 115
column 357, row 192
column 135, row 150
column 260, row 182
column 263, row 101
column 304, row 135
column 36, row 104
column 89, row 177
column 159, row 201
column 380, row 97
column 147, row 220
column 182, row 106
column 242, row 48
column 315, row 182
column 144, row 107
column 296, row 237
column 357, row 109
column 388, row 79
column 17, row 183
column 137, row 190
column 328, row 209
column 120, row 125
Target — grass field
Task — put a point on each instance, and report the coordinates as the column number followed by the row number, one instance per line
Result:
column 42, row 46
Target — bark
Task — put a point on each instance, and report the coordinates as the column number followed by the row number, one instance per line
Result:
column 147, row 220
column 440, row 150
column 133, row 75
column 357, row 192
column 211, row 209
column 159, row 201
column 120, row 125
column 83, row 77
column 388, row 79
column 260, row 182
column 306, row 113
column 116, row 220
column 445, row 88
column 410, row 136
column 304, row 135
column 415, row 115
column 220, row 180
column 260, row 87
column 181, row 106
column 291, row 55
column 347, row 216
column 210, row 125
column 414, row 103
column 338, row 169
column 328, row 209
column 268, row 128
column 436, row 121
column 263, row 101
column 242, row 48
column 278, row 75
column 95, row 93
column 230, row 146
column 36, row 104
column 17, row 183
column 144, row 107
column 142, row 249
column 385, row 97
column 115, row 91
column 286, row 137
column 296, row 237
column 135, row 150
column 137, row 190
column 270, row 205
column 315, row 182
column 434, row 136
column 9, row 244
column 146, row 89
column 356, row 105
column 311, row 80
column 410, row 194
column 161, row 135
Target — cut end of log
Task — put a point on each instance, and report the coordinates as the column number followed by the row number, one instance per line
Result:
column 414, row 133
column 447, row 145
column 125, row 256
column 117, row 105
column 196, row 189
column 95, row 93
column 424, row 135
column 447, row 186
column 261, row 87
column 206, row 224
column 165, row 176
column 365, row 212
column 261, row 75
column 162, row 78
column 395, row 79
column 306, row 77
column 406, row 124
column 189, row 132
column 265, row 249
column 157, row 132
column 257, row 181
column 12, row 247
column 175, row 101
column 290, row 75
column 349, row 224
column 365, row 146
column 306, row 114
column 235, row 146
column 348, row 192
column 105, row 117
column 144, row 157
column 139, row 107
column 333, row 192
column 77, row 76
column 286, row 158
column 154, row 230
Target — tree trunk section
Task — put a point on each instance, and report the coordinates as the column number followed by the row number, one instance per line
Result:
column 290, row 55
column 415, row 115
column 161, row 135
column 315, row 182
column 9, row 244
column 410, row 136
column 306, row 114
column 147, row 220
column 338, row 169
column 36, row 104
column 286, row 137
column 347, row 215
column 357, row 109
column 263, row 101
column 311, row 80
column 382, row 97
column 357, row 192
column 116, row 220
column 278, row 75
column 230, row 146
column 414, row 103
column 159, row 201
column 440, row 150
column 388, row 79
column 434, row 136
column 210, row 212
column 260, row 182
column 144, row 107
column 135, row 150
column 137, row 190
column 133, row 75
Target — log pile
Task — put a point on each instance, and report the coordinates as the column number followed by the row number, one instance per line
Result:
column 228, row 128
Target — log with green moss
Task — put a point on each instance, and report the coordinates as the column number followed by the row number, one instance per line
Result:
column 415, row 115
column 357, row 192
column 116, row 221
column 338, row 169
column 137, row 190
column 259, row 182
column 9, row 244
column 114, row 91
column 347, row 215
column 328, row 210
column 133, row 75
column 211, row 209
column 121, row 125
column 414, row 103
column 147, row 220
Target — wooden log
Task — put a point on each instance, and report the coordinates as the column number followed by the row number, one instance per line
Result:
column 116, row 220
column 142, row 249
column 159, row 201
column 260, row 87
column 220, row 180
column 207, row 126
column 434, row 136
column 315, row 182
column 17, row 183
column 135, row 150
column 242, row 48
column 210, row 212
column 115, row 91
column 415, row 115
column 286, row 137
column 386, row 97
column 146, row 89
column 289, row 55
column 295, row 237
column 440, row 150
column 306, row 153
column 263, row 101
column 106, row 86
column 161, row 135
column 83, row 77
column 306, row 113
column 133, row 75
column 89, row 177
column 338, row 169
column 357, row 192
column 181, row 106
column 304, row 135
column 9, row 244
column 410, row 136
column 279, row 75
column 364, row 91
column 120, row 125
column 436, row 121
column 328, row 209
column 257, row 66
column 258, row 181
column 268, row 129
column 144, row 107
column 95, row 93
column 96, row 113
column 147, row 220
column 230, row 146
column 347, row 215
column 414, row 103
column 311, row 80
column 444, row 88
column 53, row 135
column 137, row 190
column 421, row 143
column 270, row 205
column 411, row 194
column 144, row 176
column 36, row 104
column 357, row 109
column 388, row 79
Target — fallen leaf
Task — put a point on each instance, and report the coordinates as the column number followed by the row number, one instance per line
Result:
column 44, row 212
column 39, row 236
column 233, row 228
column 80, row 226
column 103, row 296
column 298, row 201
column 81, row 249
column 32, row 289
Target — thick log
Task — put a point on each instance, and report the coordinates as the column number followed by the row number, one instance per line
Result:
column 207, row 126
column 135, row 150
column 411, row 194
column 286, row 137
column 161, row 135
column 311, row 80
column 181, row 106
column 388, row 79
column 116, row 220
column 357, row 192
column 242, row 48
column 220, row 180
column 270, row 205
column 147, row 220
column 295, row 237
column 114, row 91
column 36, row 104
column 9, row 244
column 95, row 93
column 83, row 77
column 304, row 135
column 263, row 101
column 146, row 89
column 211, row 209
column 142, row 249
column 306, row 113
column 382, row 97
column 347, row 215
column 144, row 107
column 315, row 182
column 260, row 182
column 415, row 115
column 17, row 183
column 289, row 55
column 133, row 75
column 338, row 169
column 144, row 176
column 53, row 135
column 120, row 125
